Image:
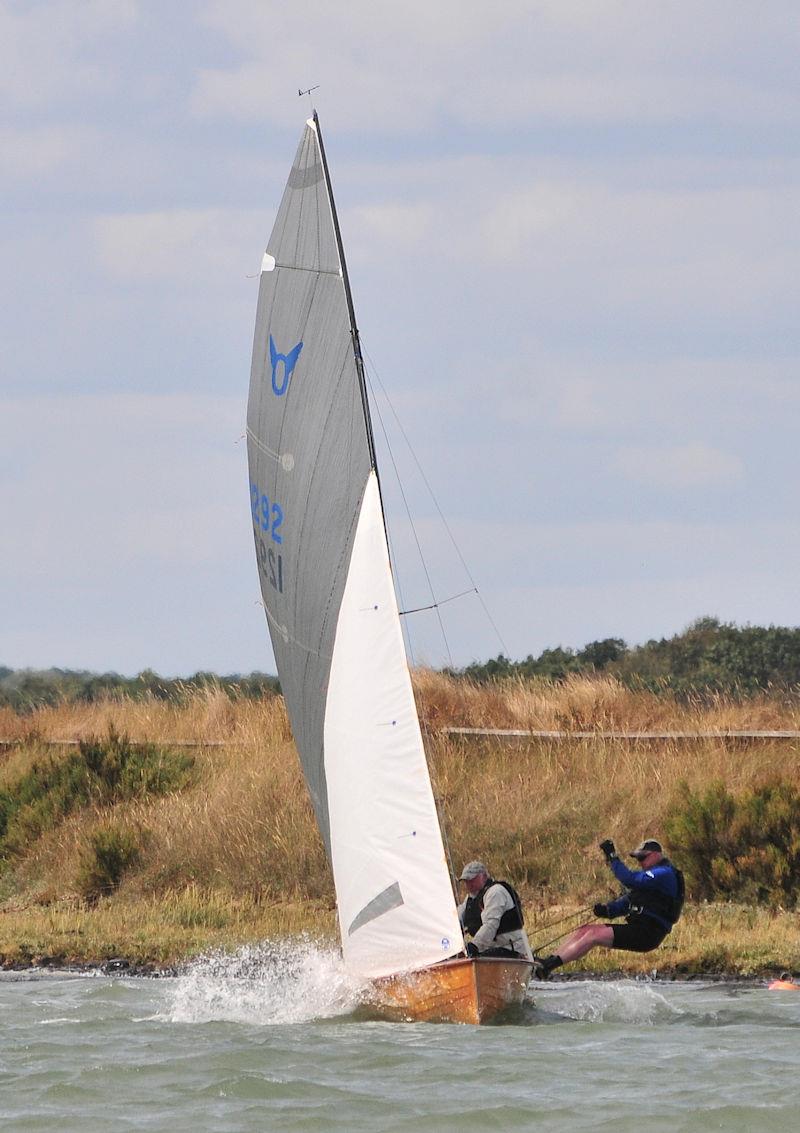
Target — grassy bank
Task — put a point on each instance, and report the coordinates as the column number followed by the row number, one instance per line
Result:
column 231, row 854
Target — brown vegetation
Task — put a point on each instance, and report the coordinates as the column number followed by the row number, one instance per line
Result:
column 236, row 855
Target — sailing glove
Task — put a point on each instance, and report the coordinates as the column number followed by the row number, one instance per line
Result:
column 609, row 849
column 600, row 910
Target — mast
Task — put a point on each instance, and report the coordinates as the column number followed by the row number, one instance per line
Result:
column 362, row 380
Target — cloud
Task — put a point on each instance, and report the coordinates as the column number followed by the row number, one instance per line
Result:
column 576, row 392
column 548, row 62
column 685, row 466
column 126, row 470
column 726, row 247
column 40, row 151
column 575, row 248
column 170, row 244
column 130, row 524
column 393, row 227
column 52, row 52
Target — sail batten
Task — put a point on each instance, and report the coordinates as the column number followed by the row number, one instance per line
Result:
column 327, row 590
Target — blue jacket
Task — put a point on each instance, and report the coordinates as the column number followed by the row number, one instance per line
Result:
column 656, row 892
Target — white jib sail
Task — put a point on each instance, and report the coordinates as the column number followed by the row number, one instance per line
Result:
column 395, row 901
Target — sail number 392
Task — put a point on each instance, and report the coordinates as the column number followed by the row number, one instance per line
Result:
column 268, row 518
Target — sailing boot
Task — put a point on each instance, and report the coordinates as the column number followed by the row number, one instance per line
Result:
column 543, row 966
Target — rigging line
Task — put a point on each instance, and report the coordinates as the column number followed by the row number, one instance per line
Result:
column 435, row 605
column 560, row 920
column 389, row 542
column 540, row 947
column 447, row 852
column 421, row 471
column 438, row 805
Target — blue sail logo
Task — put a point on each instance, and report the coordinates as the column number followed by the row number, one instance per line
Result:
column 289, row 362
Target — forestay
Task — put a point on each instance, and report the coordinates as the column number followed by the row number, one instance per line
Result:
column 327, row 590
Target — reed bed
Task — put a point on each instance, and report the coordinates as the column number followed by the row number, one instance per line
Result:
column 236, row 855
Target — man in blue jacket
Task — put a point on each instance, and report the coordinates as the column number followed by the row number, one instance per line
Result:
column 651, row 904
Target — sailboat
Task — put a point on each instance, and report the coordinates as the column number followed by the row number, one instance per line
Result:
column 328, row 592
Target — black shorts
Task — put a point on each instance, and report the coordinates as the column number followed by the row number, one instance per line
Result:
column 638, row 934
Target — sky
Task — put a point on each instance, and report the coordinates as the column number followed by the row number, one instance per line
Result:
column 572, row 234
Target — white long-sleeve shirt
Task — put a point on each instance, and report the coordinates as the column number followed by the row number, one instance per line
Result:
column 496, row 901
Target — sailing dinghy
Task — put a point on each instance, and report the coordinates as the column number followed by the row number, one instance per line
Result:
column 329, row 597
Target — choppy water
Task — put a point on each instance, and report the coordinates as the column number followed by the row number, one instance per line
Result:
column 275, row 1040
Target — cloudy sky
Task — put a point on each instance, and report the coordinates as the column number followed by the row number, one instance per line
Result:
column 572, row 231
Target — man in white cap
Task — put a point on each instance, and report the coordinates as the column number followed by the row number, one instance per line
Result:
column 651, row 904
column 491, row 914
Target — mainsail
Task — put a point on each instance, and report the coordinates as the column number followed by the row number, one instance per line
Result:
column 327, row 589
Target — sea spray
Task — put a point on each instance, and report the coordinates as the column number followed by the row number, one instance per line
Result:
column 624, row 1001
column 294, row 980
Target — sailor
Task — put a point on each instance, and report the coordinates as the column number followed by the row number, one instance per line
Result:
column 784, row 982
column 492, row 915
column 651, row 904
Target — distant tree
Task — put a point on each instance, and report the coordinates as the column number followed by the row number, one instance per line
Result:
column 600, row 654
column 557, row 663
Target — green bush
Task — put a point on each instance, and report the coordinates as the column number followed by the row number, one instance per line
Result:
column 112, row 850
column 744, row 848
column 99, row 773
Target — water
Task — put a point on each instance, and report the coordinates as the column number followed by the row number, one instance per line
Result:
column 274, row 1039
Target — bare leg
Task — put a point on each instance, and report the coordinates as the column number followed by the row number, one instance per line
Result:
column 577, row 944
column 584, row 939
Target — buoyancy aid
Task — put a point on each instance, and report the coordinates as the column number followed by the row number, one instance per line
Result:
column 511, row 920
column 665, row 907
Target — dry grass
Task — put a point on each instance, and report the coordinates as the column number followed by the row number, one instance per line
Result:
column 596, row 703
column 206, row 716
column 240, row 847
column 155, row 931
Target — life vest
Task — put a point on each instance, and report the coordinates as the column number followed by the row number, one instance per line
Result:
column 664, row 907
column 511, row 920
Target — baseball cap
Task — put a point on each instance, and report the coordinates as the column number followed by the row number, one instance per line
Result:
column 472, row 869
column 649, row 846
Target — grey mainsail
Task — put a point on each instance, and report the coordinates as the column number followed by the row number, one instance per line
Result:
column 306, row 429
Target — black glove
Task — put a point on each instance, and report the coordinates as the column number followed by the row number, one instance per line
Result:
column 609, row 849
column 472, row 949
column 601, row 911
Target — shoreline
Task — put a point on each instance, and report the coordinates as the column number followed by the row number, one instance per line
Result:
column 131, row 969
column 166, row 935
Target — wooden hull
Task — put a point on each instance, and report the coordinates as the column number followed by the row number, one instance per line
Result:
column 455, row 991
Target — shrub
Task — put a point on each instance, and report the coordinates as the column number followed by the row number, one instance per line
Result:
column 745, row 848
column 100, row 772
column 112, row 850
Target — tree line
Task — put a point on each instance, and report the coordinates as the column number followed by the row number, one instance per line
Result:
column 708, row 656
column 26, row 689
